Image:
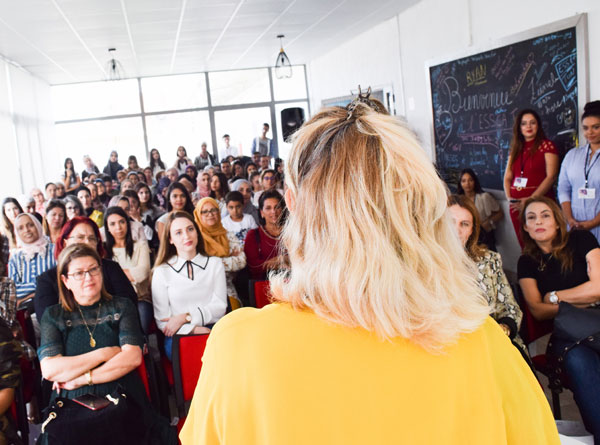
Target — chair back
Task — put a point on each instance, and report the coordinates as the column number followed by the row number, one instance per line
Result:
column 187, row 364
column 259, row 293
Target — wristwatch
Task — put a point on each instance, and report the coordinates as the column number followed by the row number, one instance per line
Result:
column 553, row 297
column 188, row 318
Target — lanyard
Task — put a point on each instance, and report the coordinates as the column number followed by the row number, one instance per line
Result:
column 586, row 170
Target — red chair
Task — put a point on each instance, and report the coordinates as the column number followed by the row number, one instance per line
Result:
column 187, row 364
column 259, row 293
column 531, row 330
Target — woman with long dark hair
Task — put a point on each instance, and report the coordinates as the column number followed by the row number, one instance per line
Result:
column 178, row 199
column 10, row 209
column 55, row 219
column 70, row 178
column 489, row 210
column 156, row 163
column 219, row 187
column 562, row 266
column 532, row 164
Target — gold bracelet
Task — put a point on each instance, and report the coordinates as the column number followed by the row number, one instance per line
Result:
column 88, row 376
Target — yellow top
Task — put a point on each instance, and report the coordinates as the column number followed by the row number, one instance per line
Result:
column 276, row 376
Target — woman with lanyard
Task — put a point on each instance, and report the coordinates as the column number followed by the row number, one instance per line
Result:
column 579, row 194
column 532, row 165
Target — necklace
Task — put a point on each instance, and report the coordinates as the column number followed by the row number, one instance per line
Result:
column 543, row 263
column 92, row 341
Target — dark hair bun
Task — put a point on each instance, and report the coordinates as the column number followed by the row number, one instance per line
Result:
column 591, row 109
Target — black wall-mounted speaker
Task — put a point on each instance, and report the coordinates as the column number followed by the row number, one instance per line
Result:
column 291, row 120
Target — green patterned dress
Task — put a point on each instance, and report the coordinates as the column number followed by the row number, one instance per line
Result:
column 65, row 333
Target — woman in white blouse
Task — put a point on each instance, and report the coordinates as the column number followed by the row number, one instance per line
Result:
column 132, row 256
column 189, row 292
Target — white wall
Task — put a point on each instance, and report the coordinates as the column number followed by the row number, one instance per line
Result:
column 28, row 157
column 433, row 29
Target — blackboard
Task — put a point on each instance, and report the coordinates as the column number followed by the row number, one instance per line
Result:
column 475, row 99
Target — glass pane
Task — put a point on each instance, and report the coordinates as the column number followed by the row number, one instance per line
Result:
column 95, row 99
column 166, row 132
column 291, row 88
column 174, row 92
column 242, row 125
column 99, row 138
column 239, row 87
column 284, row 147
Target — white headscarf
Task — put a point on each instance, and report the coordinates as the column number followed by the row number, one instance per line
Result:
column 39, row 245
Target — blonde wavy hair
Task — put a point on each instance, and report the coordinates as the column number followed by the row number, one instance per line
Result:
column 370, row 244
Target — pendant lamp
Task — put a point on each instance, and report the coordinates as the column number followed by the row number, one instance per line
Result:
column 283, row 67
column 114, row 69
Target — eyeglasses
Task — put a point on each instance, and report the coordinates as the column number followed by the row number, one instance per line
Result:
column 212, row 211
column 80, row 274
column 83, row 239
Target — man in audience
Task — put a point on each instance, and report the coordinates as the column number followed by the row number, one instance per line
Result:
column 264, row 145
column 204, row 158
column 50, row 191
column 237, row 221
column 83, row 194
column 227, row 149
column 264, row 163
column 256, row 157
column 226, row 169
column 172, row 174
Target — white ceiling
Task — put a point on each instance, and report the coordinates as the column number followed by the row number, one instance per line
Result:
column 66, row 41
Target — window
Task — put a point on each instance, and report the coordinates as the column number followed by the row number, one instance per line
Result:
column 166, row 132
column 242, row 125
column 239, row 87
column 174, row 92
column 95, row 99
column 290, row 88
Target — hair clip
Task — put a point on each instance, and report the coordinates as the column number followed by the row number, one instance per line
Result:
column 362, row 98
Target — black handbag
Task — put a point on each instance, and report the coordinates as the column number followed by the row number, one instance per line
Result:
column 69, row 423
column 578, row 325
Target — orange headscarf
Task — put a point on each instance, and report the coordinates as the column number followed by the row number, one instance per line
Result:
column 215, row 237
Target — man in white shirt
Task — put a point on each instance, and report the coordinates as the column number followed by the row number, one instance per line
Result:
column 227, row 150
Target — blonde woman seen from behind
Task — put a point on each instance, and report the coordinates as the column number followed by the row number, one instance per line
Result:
column 379, row 330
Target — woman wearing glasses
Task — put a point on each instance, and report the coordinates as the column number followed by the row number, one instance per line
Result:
column 268, row 181
column 91, row 343
column 220, row 243
column 81, row 230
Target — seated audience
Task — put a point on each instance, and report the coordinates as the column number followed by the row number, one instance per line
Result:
column 381, row 335
column 202, row 187
column 189, row 290
column 218, row 242
column 137, row 228
column 490, row 275
column 488, row 208
column 237, row 221
column 33, row 256
column 55, row 219
column 81, row 230
column 133, row 257
column 262, row 244
column 11, row 352
column 556, row 266
column 91, row 344
column 10, row 209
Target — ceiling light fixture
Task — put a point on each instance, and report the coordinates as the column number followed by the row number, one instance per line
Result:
column 114, row 69
column 283, row 67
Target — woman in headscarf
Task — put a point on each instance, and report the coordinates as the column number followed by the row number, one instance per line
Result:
column 220, row 243
column 33, row 256
column 113, row 165
column 202, row 186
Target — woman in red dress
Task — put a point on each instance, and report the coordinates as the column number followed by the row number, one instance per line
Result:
column 532, row 165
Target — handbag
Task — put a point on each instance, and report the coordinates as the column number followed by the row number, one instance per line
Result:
column 69, row 423
column 578, row 325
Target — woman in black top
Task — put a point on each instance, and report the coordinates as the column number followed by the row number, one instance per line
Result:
column 557, row 265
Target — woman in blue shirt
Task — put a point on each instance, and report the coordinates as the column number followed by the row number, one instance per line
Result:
column 579, row 180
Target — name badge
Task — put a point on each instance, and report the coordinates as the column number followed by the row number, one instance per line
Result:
column 586, row 193
column 520, row 182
